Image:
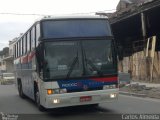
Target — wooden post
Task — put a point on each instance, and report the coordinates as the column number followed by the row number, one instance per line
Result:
column 143, row 22
column 147, row 57
column 143, row 25
column 152, row 55
column 147, row 49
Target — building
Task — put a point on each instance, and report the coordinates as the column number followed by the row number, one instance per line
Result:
column 6, row 57
column 136, row 28
column 123, row 4
column 3, row 54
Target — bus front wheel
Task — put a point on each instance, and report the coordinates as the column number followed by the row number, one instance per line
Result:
column 20, row 90
column 37, row 100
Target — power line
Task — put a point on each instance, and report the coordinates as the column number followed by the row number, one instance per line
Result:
column 27, row 14
column 94, row 12
column 22, row 14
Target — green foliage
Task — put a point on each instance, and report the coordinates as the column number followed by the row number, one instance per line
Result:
column 5, row 51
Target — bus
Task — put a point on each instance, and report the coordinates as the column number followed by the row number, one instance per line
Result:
column 67, row 61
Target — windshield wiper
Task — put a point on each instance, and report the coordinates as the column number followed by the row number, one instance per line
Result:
column 72, row 66
column 93, row 66
column 87, row 61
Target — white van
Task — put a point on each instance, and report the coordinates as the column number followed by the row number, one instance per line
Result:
column 7, row 78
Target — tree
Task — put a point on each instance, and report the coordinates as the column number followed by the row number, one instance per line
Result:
column 5, row 51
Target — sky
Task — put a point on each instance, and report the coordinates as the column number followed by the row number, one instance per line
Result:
column 12, row 25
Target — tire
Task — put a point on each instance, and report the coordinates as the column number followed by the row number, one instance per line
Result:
column 37, row 100
column 20, row 90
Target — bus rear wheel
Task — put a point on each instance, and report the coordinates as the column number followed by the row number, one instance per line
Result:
column 37, row 100
column 20, row 90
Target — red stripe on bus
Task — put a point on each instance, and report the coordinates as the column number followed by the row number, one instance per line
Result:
column 106, row 79
column 24, row 59
column 30, row 56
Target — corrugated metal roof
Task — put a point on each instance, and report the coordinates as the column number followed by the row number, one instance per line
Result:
column 127, row 1
column 135, row 1
column 133, row 9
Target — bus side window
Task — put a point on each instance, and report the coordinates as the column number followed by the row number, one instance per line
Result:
column 24, row 44
column 33, row 38
column 15, row 52
column 37, row 33
column 20, row 47
column 28, row 42
column 17, row 49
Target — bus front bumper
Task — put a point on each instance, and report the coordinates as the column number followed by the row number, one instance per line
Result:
column 80, row 98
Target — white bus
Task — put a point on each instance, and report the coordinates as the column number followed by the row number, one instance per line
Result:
column 67, row 61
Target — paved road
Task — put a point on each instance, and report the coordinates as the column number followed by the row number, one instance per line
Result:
column 10, row 102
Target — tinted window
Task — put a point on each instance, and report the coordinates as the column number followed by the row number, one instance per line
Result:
column 33, row 40
column 37, row 33
column 98, row 56
column 59, row 62
column 28, row 41
column 15, row 51
column 76, row 28
column 24, row 44
column 18, row 49
column 21, row 46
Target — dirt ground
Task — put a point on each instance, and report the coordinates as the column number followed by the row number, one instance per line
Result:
column 141, row 89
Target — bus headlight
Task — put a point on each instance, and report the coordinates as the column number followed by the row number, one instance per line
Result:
column 49, row 91
column 63, row 91
column 109, row 87
column 56, row 91
column 112, row 86
column 106, row 87
column 55, row 101
column 113, row 95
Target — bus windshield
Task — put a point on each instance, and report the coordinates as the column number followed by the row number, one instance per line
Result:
column 70, row 59
column 75, row 28
column 59, row 57
column 98, row 57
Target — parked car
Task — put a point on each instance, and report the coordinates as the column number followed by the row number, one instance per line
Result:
column 7, row 78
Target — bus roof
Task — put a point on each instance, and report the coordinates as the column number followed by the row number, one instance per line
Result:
column 65, row 18
column 71, row 17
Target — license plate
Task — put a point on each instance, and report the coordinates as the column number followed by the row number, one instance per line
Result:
column 85, row 98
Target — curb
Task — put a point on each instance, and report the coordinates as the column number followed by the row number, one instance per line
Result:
column 132, row 94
